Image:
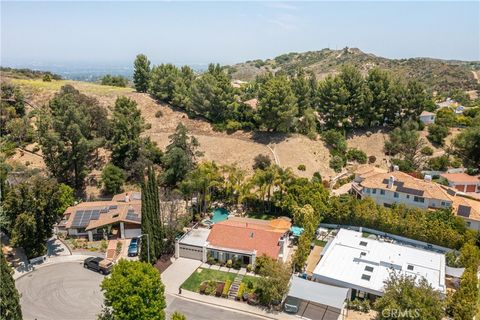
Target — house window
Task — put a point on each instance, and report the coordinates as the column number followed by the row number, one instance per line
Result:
column 419, row 199
column 367, row 190
column 382, row 192
column 366, row 277
column 410, row 267
column 443, row 203
column 369, row 268
column 469, row 224
column 395, row 194
column 408, row 196
column 374, row 191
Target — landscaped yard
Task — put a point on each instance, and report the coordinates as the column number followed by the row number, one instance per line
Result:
column 320, row 243
column 201, row 275
column 262, row 216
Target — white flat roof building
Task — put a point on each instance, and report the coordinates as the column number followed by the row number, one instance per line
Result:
column 363, row 264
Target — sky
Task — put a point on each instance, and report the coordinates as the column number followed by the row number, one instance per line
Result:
column 112, row 33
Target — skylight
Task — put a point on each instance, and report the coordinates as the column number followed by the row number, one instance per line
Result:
column 410, row 267
column 369, row 268
column 363, row 243
column 366, row 277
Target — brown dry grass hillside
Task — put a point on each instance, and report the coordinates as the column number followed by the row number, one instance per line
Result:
column 239, row 148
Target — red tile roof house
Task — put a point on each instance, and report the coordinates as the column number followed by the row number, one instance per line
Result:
column 463, row 182
column 121, row 215
column 237, row 238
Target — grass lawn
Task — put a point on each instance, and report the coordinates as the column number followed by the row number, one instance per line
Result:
column 320, row 243
column 193, row 282
column 200, row 275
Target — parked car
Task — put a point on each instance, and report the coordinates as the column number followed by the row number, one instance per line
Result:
column 291, row 305
column 133, row 247
column 98, row 264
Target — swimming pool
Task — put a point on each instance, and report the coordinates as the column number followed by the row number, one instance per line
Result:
column 219, row 215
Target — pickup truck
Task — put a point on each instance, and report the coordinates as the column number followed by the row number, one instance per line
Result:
column 98, row 264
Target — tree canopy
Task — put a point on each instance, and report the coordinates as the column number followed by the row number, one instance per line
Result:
column 134, row 291
column 9, row 296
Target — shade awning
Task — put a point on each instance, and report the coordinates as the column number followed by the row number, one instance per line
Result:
column 320, row 293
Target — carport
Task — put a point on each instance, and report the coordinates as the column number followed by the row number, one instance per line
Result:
column 318, row 300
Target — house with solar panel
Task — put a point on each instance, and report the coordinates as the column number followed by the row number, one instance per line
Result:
column 389, row 188
column 119, row 217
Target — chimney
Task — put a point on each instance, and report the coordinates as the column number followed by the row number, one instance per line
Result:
column 391, row 180
column 127, row 198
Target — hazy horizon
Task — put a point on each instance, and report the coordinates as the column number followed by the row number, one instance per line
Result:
column 102, row 34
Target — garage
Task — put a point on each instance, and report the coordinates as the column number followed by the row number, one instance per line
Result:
column 132, row 233
column 314, row 300
column 191, row 252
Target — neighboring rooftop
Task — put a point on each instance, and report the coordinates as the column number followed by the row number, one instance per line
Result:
column 281, row 224
column 246, row 237
column 125, row 207
column 321, row 293
column 461, row 178
column 196, row 237
column 406, row 184
column 363, row 263
column 426, row 113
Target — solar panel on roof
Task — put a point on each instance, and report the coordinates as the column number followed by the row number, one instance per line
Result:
column 137, row 196
column 464, row 211
column 131, row 215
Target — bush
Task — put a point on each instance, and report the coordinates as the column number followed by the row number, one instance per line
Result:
column 240, row 292
column 233, row 126
column 317, row 177
column 359, row 305
column 249, row 268
column 158, row 114
column 437, row 134
column 403, row 165
column 261, row 162
column 113, row 179
column 226, row 287
column 237, row 264
column 426, row 151
column 337, row 163
column 335, row 141
column 372, row 159
column 229, row 263
column 47, row 78
column 357, row 155
column 116, row 81
column 302, row 167
column 439, row 163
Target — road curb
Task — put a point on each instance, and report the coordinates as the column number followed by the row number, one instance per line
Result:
column 222, row 306
column 50, row 263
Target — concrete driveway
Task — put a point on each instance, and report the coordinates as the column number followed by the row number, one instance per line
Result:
column 61, row 291
column 178, row 272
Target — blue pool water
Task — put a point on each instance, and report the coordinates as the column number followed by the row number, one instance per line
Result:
column 219, row 215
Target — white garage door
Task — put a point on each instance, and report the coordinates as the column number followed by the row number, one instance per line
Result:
column 191, row 252
column 132, row 233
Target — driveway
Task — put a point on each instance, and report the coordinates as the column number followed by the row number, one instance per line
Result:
column 61, row 291
column 178, row 272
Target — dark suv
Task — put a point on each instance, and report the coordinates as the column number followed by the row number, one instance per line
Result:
column 98, row 264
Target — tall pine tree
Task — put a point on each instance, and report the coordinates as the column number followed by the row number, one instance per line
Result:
column 9, row 297
column 151, row 218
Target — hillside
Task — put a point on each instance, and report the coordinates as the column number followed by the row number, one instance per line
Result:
column 238, row 148
column 439, row 75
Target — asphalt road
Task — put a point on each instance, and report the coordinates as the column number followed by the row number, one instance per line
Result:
column 61, row 291
column 199, row 311
column 68, row 291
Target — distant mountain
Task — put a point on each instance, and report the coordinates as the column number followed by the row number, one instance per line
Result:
column 439, row 75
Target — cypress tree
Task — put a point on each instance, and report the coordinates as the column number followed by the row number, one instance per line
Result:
column 9, row 297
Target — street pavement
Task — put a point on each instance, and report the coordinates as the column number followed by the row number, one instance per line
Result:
column 200, row 311
column 65, row 290
column 61, row 291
